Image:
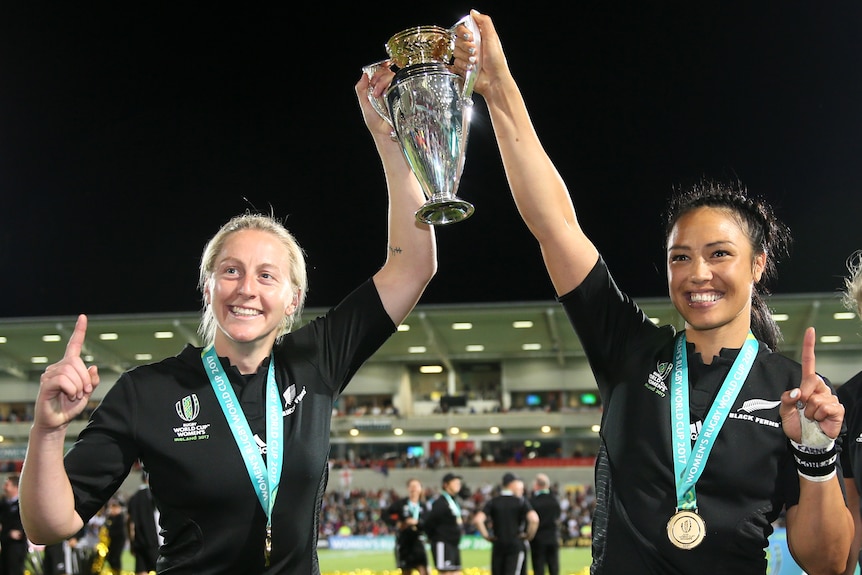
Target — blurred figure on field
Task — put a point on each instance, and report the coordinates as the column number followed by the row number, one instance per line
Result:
column 115, row 524
column 13, row 541
column 143, row 527
column 444, row 525
column 508, row 522
column 407, row 515
column 545, row 546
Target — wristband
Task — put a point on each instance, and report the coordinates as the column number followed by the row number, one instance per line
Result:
column 815, row 463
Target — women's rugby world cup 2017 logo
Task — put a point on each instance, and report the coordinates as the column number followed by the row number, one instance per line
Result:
column 188, row 408
column 656, row 380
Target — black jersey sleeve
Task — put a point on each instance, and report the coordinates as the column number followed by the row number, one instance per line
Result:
column 105, row 450
column 339, row 342
column 611, row 326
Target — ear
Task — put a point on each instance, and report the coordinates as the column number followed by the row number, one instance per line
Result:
column 207, row 294
column 759, row 266
column 294, row 303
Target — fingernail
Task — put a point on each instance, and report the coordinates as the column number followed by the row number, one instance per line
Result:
column 800, row 405
column 472, row 50
column 469, row 67
column 472, row 59
column 794, row 394
column 467, row 36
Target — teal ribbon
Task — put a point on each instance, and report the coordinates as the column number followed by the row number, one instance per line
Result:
column 688, row 461
column 265, row 477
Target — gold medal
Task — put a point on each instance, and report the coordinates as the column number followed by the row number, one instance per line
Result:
column 267, row 546
column 686, row 529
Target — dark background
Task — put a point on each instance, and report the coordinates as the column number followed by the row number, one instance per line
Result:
column 129, row 132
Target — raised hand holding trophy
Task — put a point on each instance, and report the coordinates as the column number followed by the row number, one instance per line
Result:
column 429, row 109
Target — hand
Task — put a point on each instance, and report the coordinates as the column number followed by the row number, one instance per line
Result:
column 487, row 54
column 66, row 386
column 377, row 84
column 819, row 403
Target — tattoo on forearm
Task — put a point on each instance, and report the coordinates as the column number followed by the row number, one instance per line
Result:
column 395, row 249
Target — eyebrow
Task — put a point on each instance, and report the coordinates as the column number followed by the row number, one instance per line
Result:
column 715, row 244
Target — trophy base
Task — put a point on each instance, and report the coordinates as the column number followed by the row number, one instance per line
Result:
column 443, row 212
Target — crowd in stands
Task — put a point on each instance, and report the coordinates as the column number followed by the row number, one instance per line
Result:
column 501, row 455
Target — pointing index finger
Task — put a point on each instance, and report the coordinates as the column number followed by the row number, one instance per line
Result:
column 76, row 342
column 808, row 352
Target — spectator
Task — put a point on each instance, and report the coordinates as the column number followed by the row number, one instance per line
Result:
column 545, row 546
column 115, row 524
column 407, row 515
column 445, row 525
column 13, row 542
column 508, row 521
column 143, row 527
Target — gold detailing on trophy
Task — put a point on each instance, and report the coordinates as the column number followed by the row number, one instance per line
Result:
column 420, row 45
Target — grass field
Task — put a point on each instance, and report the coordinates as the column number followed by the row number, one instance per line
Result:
column 573, row 561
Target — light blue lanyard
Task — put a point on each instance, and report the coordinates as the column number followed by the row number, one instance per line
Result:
column 413, row 508
column 265, row 477
column 688, row 462
column 456, row 510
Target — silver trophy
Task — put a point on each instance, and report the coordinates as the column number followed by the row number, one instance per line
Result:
column 429, row 109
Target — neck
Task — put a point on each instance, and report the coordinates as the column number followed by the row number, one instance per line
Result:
column 245, row 356
column 709, row 342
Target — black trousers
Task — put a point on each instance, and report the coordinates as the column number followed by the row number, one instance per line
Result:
column 12, row 557
column 545, row 554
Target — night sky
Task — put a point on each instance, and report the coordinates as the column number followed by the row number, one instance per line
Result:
column 129, row 132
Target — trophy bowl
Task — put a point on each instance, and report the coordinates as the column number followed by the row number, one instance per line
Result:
column 431, row 121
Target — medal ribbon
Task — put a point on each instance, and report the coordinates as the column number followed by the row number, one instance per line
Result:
column 456, row 510
column 688, row 461
column 265, row 477
column 413, row 508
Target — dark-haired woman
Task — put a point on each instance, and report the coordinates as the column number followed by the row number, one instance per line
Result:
column 708, row 434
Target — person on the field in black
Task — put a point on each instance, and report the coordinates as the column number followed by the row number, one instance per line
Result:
column 545, row 546
column 407, row 516
column 143, row 528
column 13, row 540
column 508, row 521
column 444, row 525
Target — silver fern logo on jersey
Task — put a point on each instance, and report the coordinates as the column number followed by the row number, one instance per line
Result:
column 188, row 408
column 292, row 398
column 758, row 405
column 744, row 412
